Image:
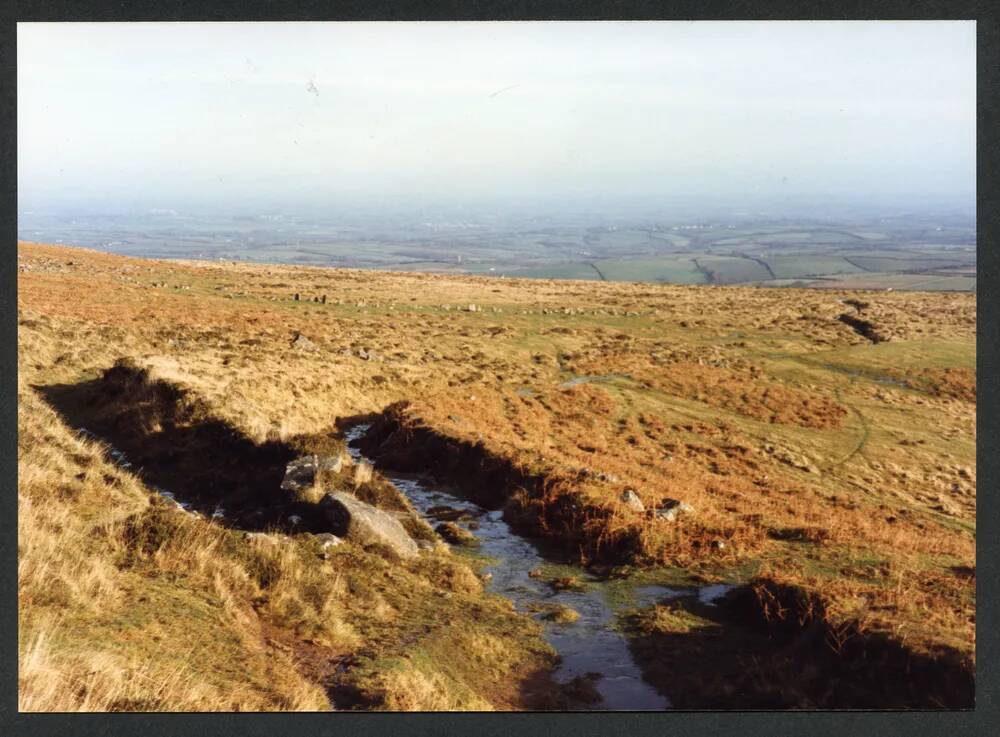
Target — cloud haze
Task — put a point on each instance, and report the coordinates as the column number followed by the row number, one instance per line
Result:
column 170, row 114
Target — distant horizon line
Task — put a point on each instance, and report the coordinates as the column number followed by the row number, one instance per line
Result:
column 566, row 205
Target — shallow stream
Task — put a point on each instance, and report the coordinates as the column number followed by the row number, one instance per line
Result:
column 590, row 645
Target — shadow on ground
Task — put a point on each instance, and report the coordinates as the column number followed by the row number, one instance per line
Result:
column 174, row 444
column 730, row 657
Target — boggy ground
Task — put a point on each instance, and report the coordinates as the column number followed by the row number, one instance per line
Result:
column 813, row 456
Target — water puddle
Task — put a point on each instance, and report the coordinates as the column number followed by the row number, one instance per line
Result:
column 590, row 645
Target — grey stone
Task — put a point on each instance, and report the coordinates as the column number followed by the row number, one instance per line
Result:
column 302, row 343
column 301, row 472
column 632, row 501
column 670, row 509
column 328, row 540
column 364, row 524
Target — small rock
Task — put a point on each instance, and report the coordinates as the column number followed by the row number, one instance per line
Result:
column 670, row 509
column 300, row 473
column 366, row 525
column 632, row 501
column 535, row 573
column 302, row 343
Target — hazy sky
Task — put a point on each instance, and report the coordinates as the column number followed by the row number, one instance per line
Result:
column 167, row 114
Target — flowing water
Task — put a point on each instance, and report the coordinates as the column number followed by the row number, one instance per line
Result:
column 590, row 645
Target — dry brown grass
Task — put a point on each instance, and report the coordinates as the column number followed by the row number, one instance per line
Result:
column 90, row 635
column 128, row 603
column 808, row 451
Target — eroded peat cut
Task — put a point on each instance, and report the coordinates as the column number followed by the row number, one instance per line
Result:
column 596, row 669
column 771, row 645
column 864, row 328
column 173, row 441
column 320, row 563
column 762, row 644
column 539, row 504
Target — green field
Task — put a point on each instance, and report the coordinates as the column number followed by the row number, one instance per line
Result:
column 733, row 269
column 787, row 267
column 922, row 252
column 676, row 270
column 909, row 282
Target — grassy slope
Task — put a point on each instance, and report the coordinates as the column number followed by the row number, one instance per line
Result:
column 816, row 456
column 127, row 603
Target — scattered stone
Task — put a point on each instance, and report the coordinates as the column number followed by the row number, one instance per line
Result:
column 328, row 540
column 632, row 501
column 364, row 524
column 670, row 509
column 301, row 473
column 535, row 573
column 302, row 343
